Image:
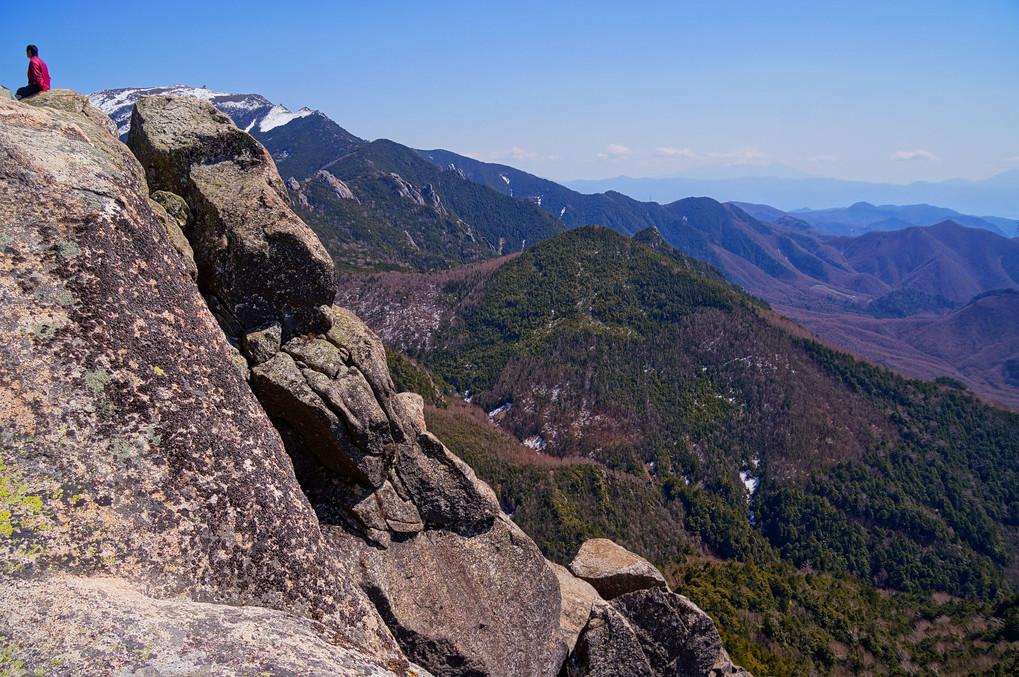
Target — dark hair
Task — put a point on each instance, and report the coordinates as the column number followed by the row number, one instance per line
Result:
column 32, row 50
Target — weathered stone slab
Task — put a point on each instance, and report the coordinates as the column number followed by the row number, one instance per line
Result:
column 607, row 647
column 614, row 570
column 464, row 607
column 676, row 636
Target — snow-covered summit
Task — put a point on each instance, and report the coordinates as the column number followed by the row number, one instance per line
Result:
column 250, row 112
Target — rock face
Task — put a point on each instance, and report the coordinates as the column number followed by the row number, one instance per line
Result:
column 613, row 570
column 480, row 605
column 248, row 243
column 131, row 447
column 644, row 629
column 578, row 598
column 97, row 624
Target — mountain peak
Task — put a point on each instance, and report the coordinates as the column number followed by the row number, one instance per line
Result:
column 250, row 112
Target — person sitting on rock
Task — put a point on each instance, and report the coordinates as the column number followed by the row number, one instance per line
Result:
column 38, row 74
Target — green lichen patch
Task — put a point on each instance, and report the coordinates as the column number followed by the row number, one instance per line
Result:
column 10, row 663
column 124, row 448
column 45, row 329
column 67, row 248
column 5, row 239
column 96, row 381
column 24, row 519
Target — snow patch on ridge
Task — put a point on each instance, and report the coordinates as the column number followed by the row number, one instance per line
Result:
column 279, row 116
column 537, row 442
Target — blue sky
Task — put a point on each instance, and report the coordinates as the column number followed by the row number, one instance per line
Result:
column 877, row 91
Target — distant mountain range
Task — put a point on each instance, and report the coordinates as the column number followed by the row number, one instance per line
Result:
column 997, row 195
column 382, row 206
column 864, row 217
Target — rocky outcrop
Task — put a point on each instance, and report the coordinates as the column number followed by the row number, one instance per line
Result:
column 421, row 531
column 132, row 449
column 644, row 629
column 676, row 637
column 341, row 189
column 578, row 598
column 608, row 647
column 173, row 213
column 69, row 101
column 248, row 243
column 613, row 570
column 6, row 93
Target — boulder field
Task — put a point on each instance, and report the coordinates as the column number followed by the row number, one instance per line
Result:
column 205, row 466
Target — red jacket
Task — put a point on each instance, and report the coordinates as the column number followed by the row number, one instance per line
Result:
column 38, row 74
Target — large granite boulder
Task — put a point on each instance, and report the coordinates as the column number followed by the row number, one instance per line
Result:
column 132, row 448
column 645, row 629
column 608, row 647
column 486, row 604
column 614, row 570
column 578, row 599
column 70, row 625
column 676, row 637
column 254, row 255
column 69, row 101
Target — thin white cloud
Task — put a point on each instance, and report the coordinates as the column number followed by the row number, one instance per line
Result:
column 1014, row 158
column 675, row 152
column 747, row 155
column 823, row 158
column 918, row 154
column 615, row 151
column 515, row 154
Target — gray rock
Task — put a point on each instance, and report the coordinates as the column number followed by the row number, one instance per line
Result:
column 414, row 405
column 445, row 490
column 676, row 636
column 483, row 605
column 341, row 189
column 72, row 102
column 253, row 253
column 607, row 647
column 6, row 93
column 578, row 598
column 176, row 207
column 260, row 346
column 285, row 394
column 614, row 570
column 368, row 355
column 177, row 238
column 103, row 626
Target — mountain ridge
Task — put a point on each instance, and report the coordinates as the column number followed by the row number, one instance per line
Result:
column 995, row 195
